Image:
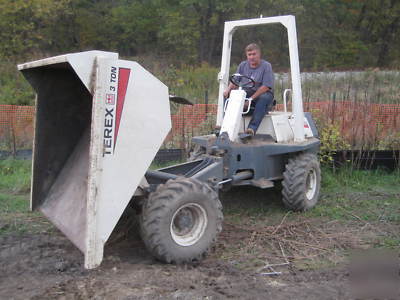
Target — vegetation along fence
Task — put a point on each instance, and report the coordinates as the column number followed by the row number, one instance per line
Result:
column 342, row 125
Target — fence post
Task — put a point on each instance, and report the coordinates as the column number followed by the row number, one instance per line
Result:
column 206, row 101
column 13, row 141
column 183, row 129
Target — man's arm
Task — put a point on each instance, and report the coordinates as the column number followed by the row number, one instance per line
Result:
column 267, row 81
column 261, row 90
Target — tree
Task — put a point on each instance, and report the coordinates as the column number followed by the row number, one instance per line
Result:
column 195, row 28
column 24, row 25
column 379, row 24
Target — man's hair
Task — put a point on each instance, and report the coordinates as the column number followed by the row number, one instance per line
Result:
column 252, row 47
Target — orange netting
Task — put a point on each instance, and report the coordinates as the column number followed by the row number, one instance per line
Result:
column 363, row 125
column 360, row 123
column 16, row 126
column 192, row 116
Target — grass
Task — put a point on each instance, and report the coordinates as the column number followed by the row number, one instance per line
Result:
column 369, row 86
column 352, row 194
column 14, row 196
column 15, row 176
column 159, row 165
column 345, row 194
column 13, row 203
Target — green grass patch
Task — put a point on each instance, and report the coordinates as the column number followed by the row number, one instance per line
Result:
column 360, row 180
column 388, row 243
column 15, row 176
column 370, row 196
column 160, row 165
column 24, row 222
column 346, row 195
column 13, row 203
column 15, row 179
column 253, row 206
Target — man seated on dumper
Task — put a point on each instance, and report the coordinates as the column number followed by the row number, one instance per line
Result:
column 262, row 93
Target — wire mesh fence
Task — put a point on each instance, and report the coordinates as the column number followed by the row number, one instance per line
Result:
column 16, row 127
column 362, row 125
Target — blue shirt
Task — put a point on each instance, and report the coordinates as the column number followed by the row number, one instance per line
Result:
column 262, row 74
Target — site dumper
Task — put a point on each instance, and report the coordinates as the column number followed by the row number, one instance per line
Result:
column 99, row 124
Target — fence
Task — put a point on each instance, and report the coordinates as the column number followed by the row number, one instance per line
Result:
column 16, row 127
column 363, row 125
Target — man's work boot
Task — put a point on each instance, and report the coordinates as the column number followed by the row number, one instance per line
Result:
column 216, row 130
column 250, row 131
column 247, row 135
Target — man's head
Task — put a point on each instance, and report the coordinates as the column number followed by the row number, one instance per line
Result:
column 253, row 54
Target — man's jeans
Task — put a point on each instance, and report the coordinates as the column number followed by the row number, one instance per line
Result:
column 261, row 105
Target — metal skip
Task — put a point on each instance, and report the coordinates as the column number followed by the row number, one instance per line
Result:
column 96, row 133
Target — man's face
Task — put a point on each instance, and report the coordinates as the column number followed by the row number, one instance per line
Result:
column 254, row 57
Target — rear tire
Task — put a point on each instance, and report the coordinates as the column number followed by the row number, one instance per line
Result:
column 301, row 182
column 181, row 220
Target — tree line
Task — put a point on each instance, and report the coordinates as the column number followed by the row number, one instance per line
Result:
column 335, row 34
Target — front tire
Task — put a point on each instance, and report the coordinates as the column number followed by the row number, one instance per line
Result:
column 302, row 182
column 181, row 220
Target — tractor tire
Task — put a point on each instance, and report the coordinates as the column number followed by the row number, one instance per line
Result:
column 301, row 182
column 197, row 152
column 181, row 220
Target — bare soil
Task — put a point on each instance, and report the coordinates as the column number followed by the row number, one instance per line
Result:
column 45, row 265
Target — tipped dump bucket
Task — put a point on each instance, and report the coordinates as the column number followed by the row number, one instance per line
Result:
column 99, row 123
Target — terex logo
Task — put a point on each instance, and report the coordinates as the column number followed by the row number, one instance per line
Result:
column 108, row 131
column 114, row 104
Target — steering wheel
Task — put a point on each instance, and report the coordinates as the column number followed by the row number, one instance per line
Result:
column 242, row 80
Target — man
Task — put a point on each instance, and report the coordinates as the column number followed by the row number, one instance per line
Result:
column 262, row 93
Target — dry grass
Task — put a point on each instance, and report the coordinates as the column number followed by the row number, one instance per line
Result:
column 302, row 243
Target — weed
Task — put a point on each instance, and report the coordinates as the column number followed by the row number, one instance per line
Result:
column 15, row 176
column 160, row 165
column 331, row 141
column 389, row 243
column 14, row 186
column 359, row 195
column 13, row 203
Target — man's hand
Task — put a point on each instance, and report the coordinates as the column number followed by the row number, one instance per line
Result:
column 261, row 90
column 228, row 90
column 226, row 93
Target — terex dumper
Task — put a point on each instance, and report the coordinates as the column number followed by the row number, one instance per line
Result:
column 100, row 121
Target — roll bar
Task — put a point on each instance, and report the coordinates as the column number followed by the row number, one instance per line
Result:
column 289, row 22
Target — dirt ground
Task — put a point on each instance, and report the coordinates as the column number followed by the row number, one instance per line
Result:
column 49, row 267
column 45, row 265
